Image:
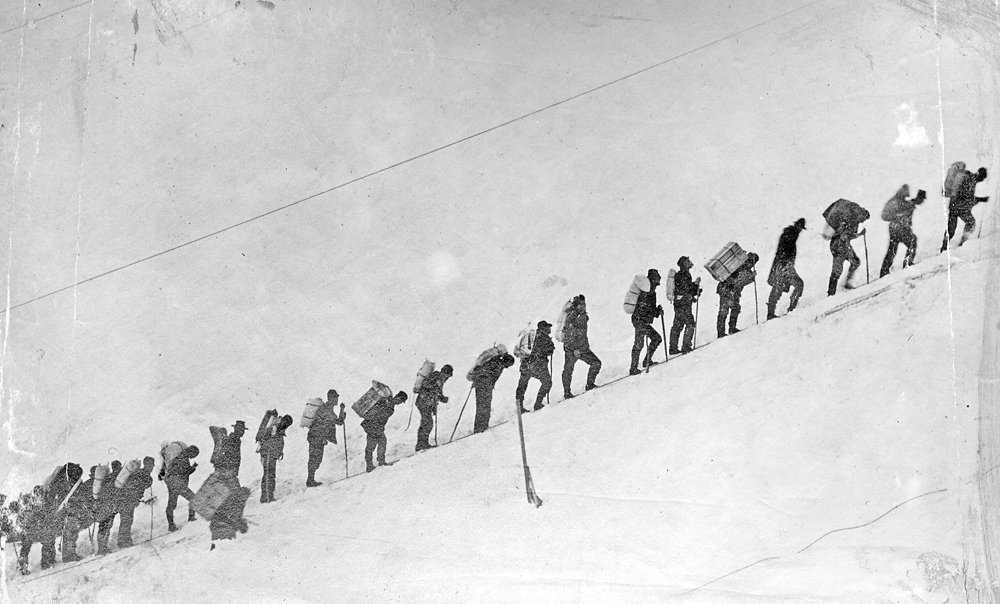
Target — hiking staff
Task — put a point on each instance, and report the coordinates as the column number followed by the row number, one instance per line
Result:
column 663, row 327
column 462, row 410
column 864, row 239
column 647, row 350
column 548, row 399
column 346, row 474
column 409, row 419
column 756, row 303
column 697, row 300
column 435, row 427
column 529, row 485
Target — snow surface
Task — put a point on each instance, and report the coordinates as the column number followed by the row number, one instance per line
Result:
column 132, row 128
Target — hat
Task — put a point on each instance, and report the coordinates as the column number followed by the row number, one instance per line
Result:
column 401, row 397
column 981, row 173
column 653, row 274
column 753, row 258
column 192, row 451
column 240, row 424
column 800, row 224
column 543, row 324
column 682, row 260
column 447, row 370
column 331, row 394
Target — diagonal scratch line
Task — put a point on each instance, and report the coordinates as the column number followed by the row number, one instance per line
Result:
column 59, row 12
column 411, row 159
column 823, row 536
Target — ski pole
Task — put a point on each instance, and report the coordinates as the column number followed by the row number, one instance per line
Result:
column 756, row 303
column 696, row 305
column 435, row 427
column 864, row 236
column 150, row 511
column 529, row 484
column 346, row 474
column 460, row 415
column 666, row 350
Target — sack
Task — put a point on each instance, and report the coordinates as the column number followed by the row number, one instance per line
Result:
column 425, row 370
column 668, row 286
column 561, row 321
column 525, row 342
column 377, row 392
column 210, row 496
column 309, row 413
column 127, row 470
column 729, row 259
column 639, row 284
column 953, row 180
column 490, row 353
column 828, row 232
column 217, row 435
column 100, row 473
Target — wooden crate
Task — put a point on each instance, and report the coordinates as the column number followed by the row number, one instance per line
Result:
column 727, row 261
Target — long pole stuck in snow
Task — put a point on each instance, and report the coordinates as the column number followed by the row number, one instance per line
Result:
column 864, row 237
column 756, row 303
column 529, row 485
column 663, row 328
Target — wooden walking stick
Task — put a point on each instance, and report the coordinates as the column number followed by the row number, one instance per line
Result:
column 346, row 474
column 756, row 303
column 864, row 237
column 529, row 484
column 460, row 414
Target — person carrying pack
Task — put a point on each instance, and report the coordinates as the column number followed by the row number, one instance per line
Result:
column 374, row 426
column 783, row 275
column 844, row 217
column 129, row 497
column 271, row 436
column 898, row 212
column 323, row 430
column 176, row 474
column 645, row 310
column 535, row 365
column 106, row 508
column 730, row 290
column 484, row 377
column 576, row 346
column 431, row 393
column 961, row 203
column 227, row 455
column 686, row 292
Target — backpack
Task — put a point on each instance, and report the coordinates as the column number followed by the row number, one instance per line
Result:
column 218, row 434
column 639, row 284
column 953, row 180
column 100, row 473
column 668, row 286
column 168, row 453
column 127, row 470
column 561, row 321
column 490, row 353
column 425, row 370
column 525, row 342
column 309, row 413
column 377, row 392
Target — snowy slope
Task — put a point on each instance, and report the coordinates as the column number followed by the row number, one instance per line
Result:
column 748, row 450
column 224, row 113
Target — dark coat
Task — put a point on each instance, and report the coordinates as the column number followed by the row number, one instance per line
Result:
column 432, row 391
column 540, row 353
column 131, row 494
column 378, row 416
column 645, row 308
column 965, row 197
column 273, row 447
column 324, row 427
column 228, row 456
column 685, row 289
column 732, row 286
column 575, row 329
column 784, row 257
column 486, row 375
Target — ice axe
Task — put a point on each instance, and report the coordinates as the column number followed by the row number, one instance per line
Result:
column 462, row 410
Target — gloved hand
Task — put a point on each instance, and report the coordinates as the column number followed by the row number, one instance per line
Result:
column 659, row 311
column 242, row 526
column 444, row 399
